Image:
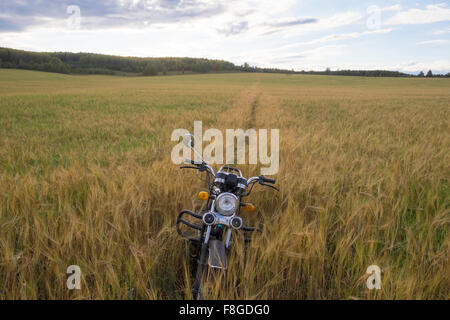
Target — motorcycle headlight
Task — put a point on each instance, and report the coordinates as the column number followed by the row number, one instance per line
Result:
column 226, row 204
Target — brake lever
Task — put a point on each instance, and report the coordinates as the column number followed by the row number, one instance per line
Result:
column 188, row 167
column 270, row 186
column 199, row 168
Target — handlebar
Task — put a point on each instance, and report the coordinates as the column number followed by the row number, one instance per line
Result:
column 267, row 180
column 203, row 166
column 261, row 179
column 200, row 165
column 189, row 161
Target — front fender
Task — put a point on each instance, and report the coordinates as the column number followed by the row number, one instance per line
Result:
column 217, row 257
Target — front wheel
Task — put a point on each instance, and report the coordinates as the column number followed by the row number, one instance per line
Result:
column 200, row 274
column 205, row 284
column 205, row 276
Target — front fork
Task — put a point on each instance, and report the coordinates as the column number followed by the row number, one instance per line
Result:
column 201, row 264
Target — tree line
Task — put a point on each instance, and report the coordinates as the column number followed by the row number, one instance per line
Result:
column 360, row 73
column 90, row 63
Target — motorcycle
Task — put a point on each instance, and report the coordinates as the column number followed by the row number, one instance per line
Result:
column 227, row 188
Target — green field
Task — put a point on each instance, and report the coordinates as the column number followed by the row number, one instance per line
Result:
column 86, row 179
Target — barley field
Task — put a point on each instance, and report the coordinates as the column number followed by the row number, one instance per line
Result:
column 86, row 179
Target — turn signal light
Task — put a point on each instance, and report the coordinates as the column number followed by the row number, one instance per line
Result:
column 203, row 195
column 249, row 207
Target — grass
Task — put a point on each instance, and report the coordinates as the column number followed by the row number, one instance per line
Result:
column 86, row 179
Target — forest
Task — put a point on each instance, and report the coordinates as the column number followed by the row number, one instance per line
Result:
column 90, row 63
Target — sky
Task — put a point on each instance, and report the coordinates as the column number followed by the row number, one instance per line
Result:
column 403, row 35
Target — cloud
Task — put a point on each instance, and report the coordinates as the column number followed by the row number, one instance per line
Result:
column 289, row 22
column 226, row 17
column 278, row 25
column 20, row 15
column 8, row 24
column 308, row 25
column 442, row 31
column 437, row 41
column 340, row 37
column 416, row 66
column 104, row 14
column 431, row 13
column 310, row 59
column 288, row 59
column 234, row 28
column 315, row 55
column 395, row 7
